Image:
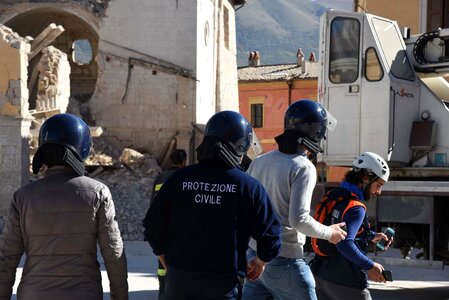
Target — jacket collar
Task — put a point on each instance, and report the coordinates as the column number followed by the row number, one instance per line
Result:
column 57, row 169
column 353, row 188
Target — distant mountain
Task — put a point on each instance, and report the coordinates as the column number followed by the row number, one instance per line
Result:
column 277, row 28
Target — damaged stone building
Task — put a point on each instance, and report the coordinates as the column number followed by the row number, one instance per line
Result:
column 149, row 74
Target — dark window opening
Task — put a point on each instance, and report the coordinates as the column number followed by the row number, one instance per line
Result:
column 257, row 115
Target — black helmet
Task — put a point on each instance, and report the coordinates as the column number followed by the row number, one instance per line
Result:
column 63, row 139
column 232, row 128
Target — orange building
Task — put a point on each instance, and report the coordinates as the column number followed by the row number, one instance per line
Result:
column 265, row 92
column 419, row 15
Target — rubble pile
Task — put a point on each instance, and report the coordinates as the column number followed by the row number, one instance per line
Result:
column 131, row 192
column 130, row 179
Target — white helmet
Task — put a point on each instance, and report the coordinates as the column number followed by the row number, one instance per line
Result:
column 374, row 163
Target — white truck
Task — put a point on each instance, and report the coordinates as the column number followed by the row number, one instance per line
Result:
column 386, row 91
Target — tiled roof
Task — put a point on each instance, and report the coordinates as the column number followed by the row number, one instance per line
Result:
column 278, row 72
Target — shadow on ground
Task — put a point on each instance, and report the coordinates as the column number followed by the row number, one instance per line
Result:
column 430, row 293
column 137, row 295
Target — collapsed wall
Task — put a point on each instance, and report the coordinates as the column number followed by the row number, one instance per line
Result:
column 131, row 186
column 149, row 82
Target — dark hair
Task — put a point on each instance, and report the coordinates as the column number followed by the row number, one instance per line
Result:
column 178, row 156
column 355, row 176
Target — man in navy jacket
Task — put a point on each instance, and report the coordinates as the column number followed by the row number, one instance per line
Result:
column 203, row 216
column 343, row 275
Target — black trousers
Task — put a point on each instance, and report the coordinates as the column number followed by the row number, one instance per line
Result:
column 326, row 288
column 161, row 278
column 187, row 285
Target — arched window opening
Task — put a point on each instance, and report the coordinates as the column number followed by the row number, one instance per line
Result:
column 82, row 52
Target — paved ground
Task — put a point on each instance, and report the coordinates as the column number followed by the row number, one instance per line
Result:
column 409, row 283
column 413, row 283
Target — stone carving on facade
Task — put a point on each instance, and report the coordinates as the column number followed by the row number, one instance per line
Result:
column 54, row 83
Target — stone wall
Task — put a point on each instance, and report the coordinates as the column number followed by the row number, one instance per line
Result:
column 14, row 74
column 145, row 111
column 14, row 115
column 146, row 91
column 227, row 82
column 160, row 68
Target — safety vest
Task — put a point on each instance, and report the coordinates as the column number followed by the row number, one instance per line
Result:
column 331, row 210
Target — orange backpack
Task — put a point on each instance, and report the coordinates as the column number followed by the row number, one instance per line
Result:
column 327, row 213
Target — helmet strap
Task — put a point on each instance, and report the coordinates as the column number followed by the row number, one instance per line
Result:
column 310, row 145
column 54, row 154
column 73, row 162
column 231, row 159
column 212, row 147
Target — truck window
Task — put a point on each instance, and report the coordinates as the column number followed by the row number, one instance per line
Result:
column 344, row 50
column 373, row 69
column 391, row 44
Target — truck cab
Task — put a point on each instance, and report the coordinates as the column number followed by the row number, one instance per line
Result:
column 386, row 91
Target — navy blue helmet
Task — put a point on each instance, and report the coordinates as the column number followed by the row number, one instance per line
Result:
column 309, row 118
column 232, row 128
column 69, row 131
column 64, row 139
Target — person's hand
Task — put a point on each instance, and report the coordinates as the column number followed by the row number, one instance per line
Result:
column 375, row 273
column 382, row 236
column 255, row 269
column 338, row 233
column 162, row 260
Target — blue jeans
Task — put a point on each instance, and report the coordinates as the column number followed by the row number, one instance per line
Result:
column 283, row 279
